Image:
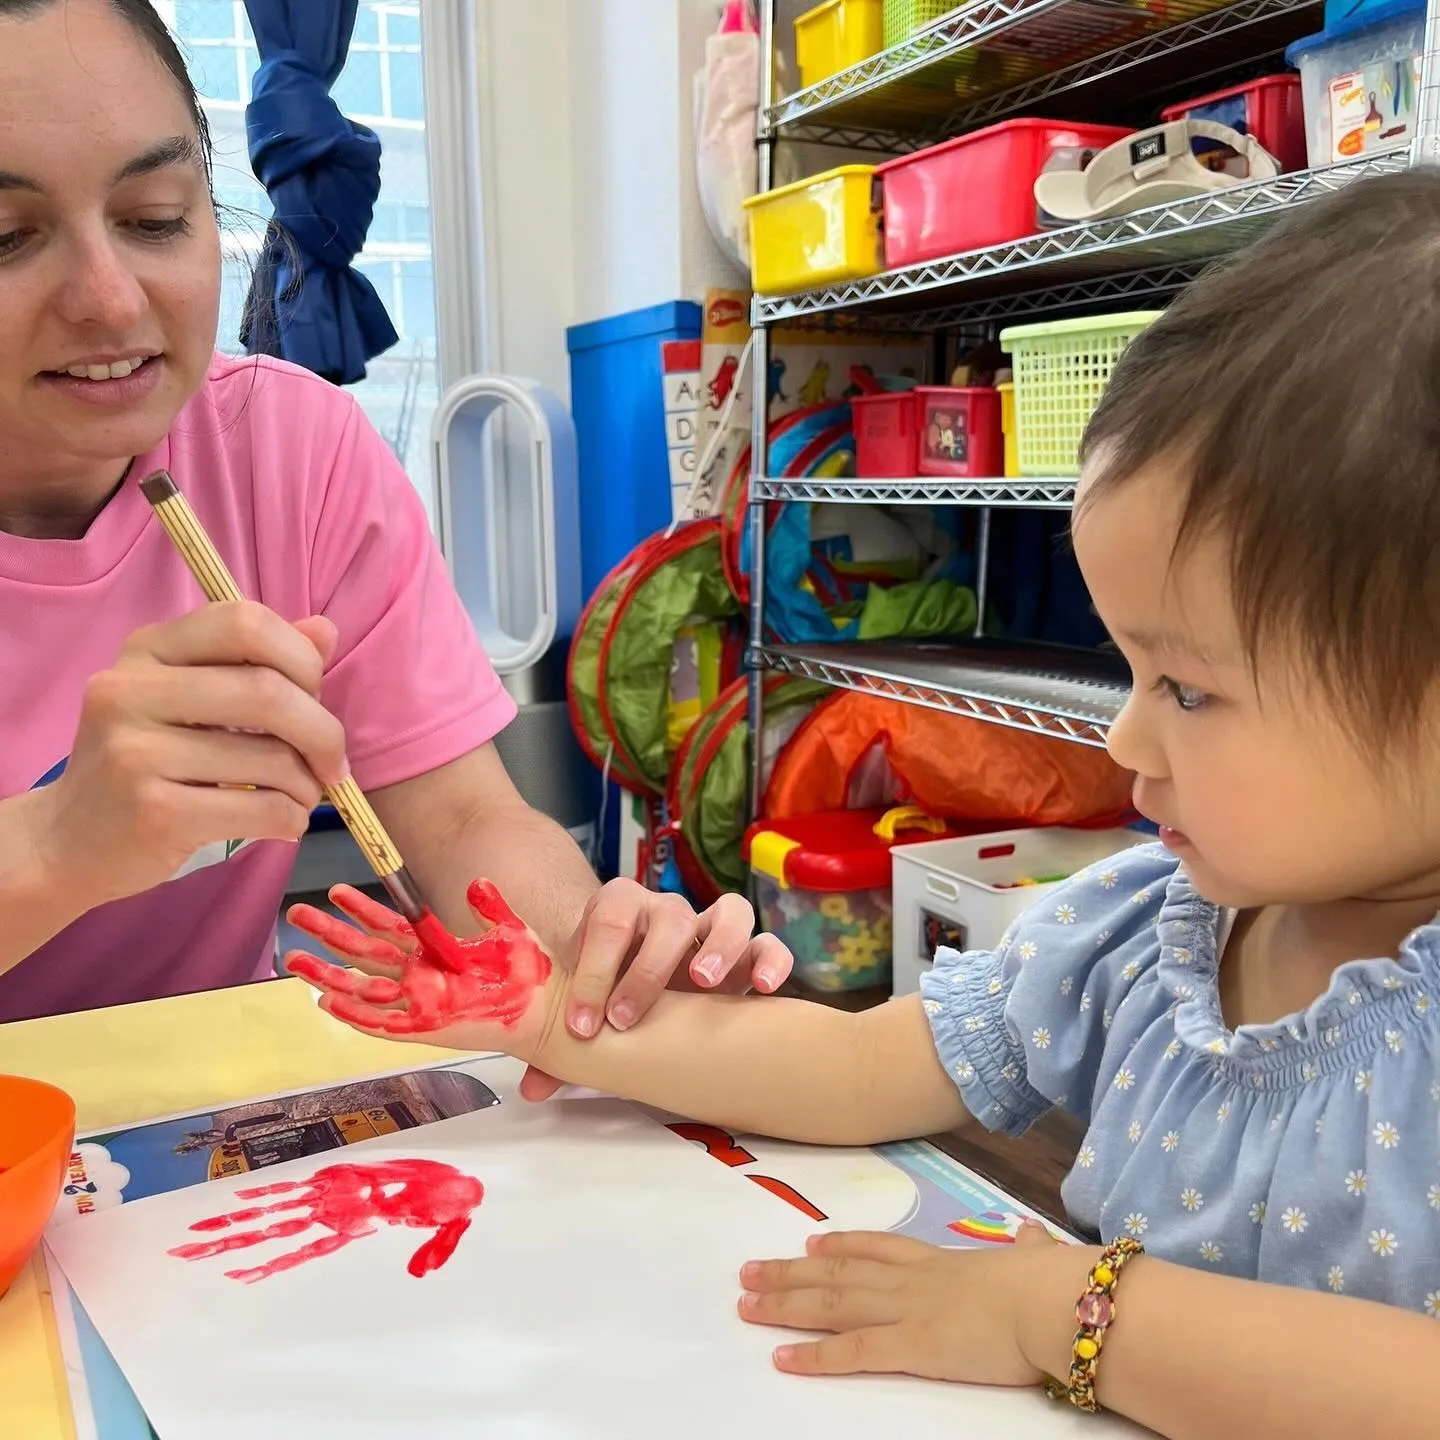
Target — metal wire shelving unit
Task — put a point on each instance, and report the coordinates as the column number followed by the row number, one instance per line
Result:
column 995, row 58
column 983, row 62
column 1072, row 695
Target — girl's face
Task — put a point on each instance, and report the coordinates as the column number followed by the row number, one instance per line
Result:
column 109, row 250
column 1265, row 796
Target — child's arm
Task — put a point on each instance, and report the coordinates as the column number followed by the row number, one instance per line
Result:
column 788, row 1068
column 1199, row 1356
column 782, row 1067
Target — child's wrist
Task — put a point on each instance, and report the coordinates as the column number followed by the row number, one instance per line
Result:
column 542, row 1028
column 1045, row 1321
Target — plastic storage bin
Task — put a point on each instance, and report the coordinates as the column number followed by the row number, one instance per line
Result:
column 823, row 886
column 963, row 893
column 1270, row 109
column 836, row 35
column 1061, row 369
column 815, row 232
column 902, row 18
column 979, row 189
column 931, row 430
column 1360, row 79
column 1007, row 428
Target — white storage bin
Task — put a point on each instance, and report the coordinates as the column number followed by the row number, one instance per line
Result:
column 963, row 894
column 1360, row 81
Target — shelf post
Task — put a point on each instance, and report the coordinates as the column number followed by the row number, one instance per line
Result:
column 1425, row 147
column 759, row 417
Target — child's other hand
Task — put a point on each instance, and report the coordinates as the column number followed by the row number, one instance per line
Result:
column 897, row 1306
column 397, row 989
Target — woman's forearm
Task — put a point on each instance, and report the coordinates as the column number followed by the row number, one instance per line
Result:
column 787, row 1068
column 1199, row 1356
column 35, row 903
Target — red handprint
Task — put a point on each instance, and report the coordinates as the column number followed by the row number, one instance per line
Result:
column 416, row 991
column 349, row 1200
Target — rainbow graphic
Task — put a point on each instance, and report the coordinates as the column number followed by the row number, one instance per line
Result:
column 994, row 1227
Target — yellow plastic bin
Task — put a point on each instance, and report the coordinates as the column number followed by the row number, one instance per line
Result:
column 819, row 231
column 836, row 35
column 1007, row 425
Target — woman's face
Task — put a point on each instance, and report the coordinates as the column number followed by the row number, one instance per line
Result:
column 109, row 251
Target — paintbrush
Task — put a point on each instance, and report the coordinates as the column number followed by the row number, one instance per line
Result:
column 195, row 547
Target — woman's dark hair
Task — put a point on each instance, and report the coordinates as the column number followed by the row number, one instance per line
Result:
column 1295, row 393
column 141, row 16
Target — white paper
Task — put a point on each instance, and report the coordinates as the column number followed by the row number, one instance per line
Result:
column 593, row 1295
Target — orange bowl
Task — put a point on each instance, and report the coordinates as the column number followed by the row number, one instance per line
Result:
column 37, row 1133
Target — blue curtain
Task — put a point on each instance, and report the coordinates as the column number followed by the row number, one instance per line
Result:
column 322, row 173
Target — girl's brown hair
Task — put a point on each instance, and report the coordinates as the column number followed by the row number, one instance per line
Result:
column 1296, row 392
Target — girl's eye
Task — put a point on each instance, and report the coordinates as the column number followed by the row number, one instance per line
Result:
column 11, row 241
column 1187, row 697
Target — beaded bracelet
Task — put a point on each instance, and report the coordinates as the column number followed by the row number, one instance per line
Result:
column 1095, row 1310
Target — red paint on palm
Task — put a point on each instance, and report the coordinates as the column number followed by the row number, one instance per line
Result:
column 351, row 1201
column 499, row 974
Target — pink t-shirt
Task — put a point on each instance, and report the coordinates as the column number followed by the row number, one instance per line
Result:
column 314, row 516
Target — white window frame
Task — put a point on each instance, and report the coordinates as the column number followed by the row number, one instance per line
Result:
column 450, row 44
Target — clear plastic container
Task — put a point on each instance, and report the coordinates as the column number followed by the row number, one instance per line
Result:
column 1361, row 82
column 822, row 884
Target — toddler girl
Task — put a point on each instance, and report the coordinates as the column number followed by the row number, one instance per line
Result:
column 1243, row 1014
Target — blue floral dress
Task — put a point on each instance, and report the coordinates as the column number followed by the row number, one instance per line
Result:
column 1305, row 1152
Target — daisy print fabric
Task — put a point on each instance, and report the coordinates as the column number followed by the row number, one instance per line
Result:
column 1303, row 1153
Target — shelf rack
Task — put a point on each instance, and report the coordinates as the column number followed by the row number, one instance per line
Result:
column 921, row 490
column 995, row 58
column 980, row 63
column 1153, row 252
column 1072, row 695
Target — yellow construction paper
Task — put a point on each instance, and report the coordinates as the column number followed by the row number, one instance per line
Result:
column 163, row 1057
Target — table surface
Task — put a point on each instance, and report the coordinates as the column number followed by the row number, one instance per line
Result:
column 193, row 1052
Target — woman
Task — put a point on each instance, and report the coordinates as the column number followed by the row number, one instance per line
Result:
column 160, row 756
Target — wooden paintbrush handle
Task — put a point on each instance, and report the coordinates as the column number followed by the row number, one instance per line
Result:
column 184, row 529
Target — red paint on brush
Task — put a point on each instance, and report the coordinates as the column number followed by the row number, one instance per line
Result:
column 491, row 979
column 351, row 1201
column 441, row 946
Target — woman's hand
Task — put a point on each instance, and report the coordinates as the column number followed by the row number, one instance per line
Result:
column 398, row 989
column 633, row 943
column 894, row 1305
column 207, row 728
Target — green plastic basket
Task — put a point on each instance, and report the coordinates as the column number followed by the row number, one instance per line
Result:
column 902, row 18
column 1061, row 370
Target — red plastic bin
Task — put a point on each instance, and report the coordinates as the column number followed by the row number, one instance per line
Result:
column 931, row 430
column 1269, row 109
column 976, row 190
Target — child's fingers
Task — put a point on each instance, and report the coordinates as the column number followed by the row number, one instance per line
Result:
column 367, row 952
column 832, row 1307
column 878, row 1350
column 375, row 990
column 372, row 1019
column 489, row 905
column 379, row 920
column 878, row 1245
column 812, row 1274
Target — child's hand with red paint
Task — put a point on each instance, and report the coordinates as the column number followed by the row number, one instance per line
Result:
column 397, row 989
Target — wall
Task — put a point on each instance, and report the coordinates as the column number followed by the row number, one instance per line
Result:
column 588, row 172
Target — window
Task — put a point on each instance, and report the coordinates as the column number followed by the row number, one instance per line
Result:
column 382, row 86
